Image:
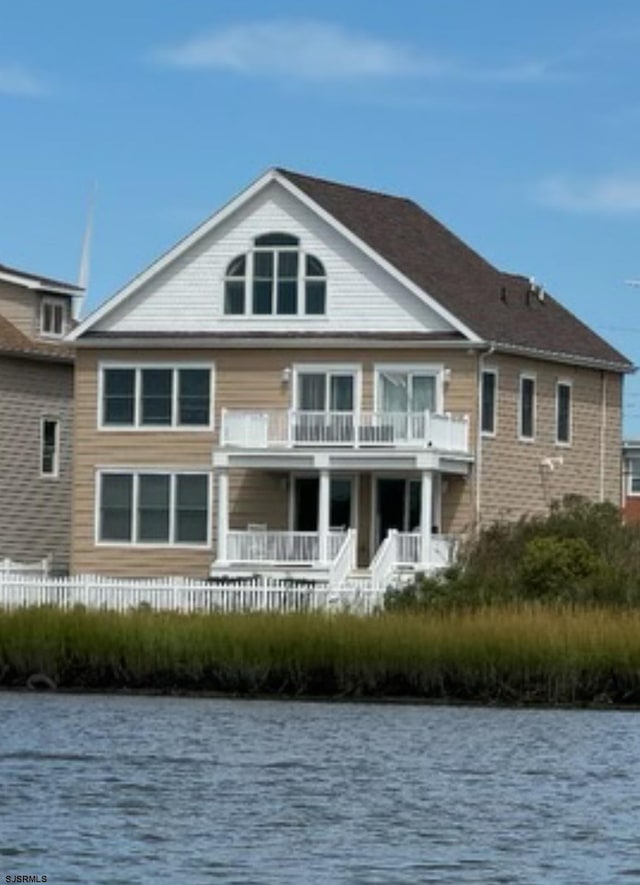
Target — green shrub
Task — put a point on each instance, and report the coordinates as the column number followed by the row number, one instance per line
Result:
column 581, row 552
column 557, row 568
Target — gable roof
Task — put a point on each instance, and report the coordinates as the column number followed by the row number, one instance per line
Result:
column 36, row 281
column 500, row 307
column 481, row 302
column 13, row 342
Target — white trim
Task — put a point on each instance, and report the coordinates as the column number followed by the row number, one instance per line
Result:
column 55, row 473
column 489, row 370
column 137, row 368
column 135, row 473
column 530, row 376
column 272, row 175
column 434, row 369
column 174, row 252
column 564, row 382
column 39, row 285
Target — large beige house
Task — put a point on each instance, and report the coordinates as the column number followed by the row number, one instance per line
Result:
column 323, row 381
column 36, row 417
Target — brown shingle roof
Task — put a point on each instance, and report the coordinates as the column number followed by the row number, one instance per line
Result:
column 497, row 306
column 16, row 343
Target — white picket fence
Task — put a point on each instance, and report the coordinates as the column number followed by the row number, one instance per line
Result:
column 182, row 594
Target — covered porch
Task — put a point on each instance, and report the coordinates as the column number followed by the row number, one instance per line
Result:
column 366, row 519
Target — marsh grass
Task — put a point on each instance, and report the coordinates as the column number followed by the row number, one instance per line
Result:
column 529, row 653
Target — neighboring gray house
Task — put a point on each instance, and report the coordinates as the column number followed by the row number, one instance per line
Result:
column 36, row 417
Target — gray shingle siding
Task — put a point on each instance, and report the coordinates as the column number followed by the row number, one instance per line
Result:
column 35, row 512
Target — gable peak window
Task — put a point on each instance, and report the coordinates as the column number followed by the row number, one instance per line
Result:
column 277, row 278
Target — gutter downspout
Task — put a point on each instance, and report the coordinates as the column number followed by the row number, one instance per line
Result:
column 478, row 462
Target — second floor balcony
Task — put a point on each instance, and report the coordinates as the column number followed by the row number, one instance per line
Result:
column 287, row 429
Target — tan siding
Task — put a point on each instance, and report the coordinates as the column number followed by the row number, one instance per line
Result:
column 514, row 481
column 244, row 379
column 20, row 307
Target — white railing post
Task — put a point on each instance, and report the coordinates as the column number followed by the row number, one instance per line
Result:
column 223, row 513
column 426, row 503
column 323, row 516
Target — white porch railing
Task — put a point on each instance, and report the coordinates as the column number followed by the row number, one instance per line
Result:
column 404, row 549
column 385, row 561
column 409, row 550
column 280, row 547
column 345, row 559
column 288, row 429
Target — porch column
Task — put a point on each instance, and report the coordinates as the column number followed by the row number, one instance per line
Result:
column 425, row 517
column 222, row 476
column 323, row 516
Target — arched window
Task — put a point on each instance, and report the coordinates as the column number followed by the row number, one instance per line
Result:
column 275, row 279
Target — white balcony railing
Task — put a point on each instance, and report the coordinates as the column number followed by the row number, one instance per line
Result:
column 289, row 429
column 280, row 547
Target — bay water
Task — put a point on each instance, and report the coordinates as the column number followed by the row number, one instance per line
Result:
column 133, row 789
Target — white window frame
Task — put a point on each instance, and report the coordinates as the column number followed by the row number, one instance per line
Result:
column 629, row 474
column 301, row 280
column 137, row 426
column 55, row 473
column 489, row 370
column 54, row 304
column 435, row 369
column 527, row 376
column 353, row 369
column 135, row 473
column 563, row 382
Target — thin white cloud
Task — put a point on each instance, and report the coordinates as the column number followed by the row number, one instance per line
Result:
column 606, row 194
column 308, row 49
column 321, row 51
column 16, row 80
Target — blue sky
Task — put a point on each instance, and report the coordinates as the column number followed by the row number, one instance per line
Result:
column 517, row 124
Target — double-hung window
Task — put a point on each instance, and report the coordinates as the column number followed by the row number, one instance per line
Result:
column 156, row 396
column 632, row 469
column 563, row 413
column 527, row 409
column 53, row 317
column 143, row 507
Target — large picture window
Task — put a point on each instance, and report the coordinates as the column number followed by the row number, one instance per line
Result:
column 153, row 508
column 275, row 279
column 156, row 396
